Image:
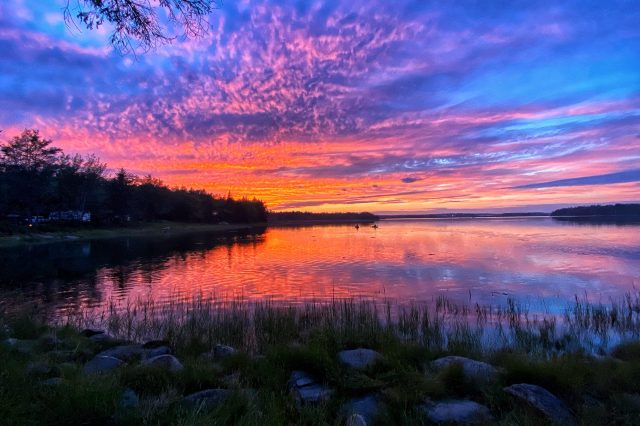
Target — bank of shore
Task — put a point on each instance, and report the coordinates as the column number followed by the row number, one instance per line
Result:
column 340, row 363
column 133, row 230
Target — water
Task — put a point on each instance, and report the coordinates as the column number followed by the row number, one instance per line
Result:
column 541, row 262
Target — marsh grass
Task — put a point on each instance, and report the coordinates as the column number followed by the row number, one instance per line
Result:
column 561, row 352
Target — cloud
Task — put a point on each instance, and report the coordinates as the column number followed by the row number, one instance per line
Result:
column 605, row 179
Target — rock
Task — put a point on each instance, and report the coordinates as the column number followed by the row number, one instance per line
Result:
column 299, row 379
column 368, row 407
column 462, row 412
column 160, row 350
column 360, row 358
column 208, row 399
column 223, row 351
column 477, row 371
column 305, row 390
column 124, row 353
column 129, row 399
column 167, row 362
column 356, row 420
column 154, row 344
column 89, row 332
column 543, row 400
column 101, row 364
column 53, row 381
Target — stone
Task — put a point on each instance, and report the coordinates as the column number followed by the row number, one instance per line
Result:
column 124, row 353
column 129, row 399
column 160, row 350
column 89, row 332
column 356, row 420
column 166, row 362
column 462, row 412
column 223, row 351
column 101, row 364
column 477, row 371
column 305, row 390
column 543, row 400
column 153, row 344
column 368, row 407
column 360, row 358
column 300, row 379
column 208, row 399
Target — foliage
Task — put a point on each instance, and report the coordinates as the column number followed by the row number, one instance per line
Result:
column 37, row 179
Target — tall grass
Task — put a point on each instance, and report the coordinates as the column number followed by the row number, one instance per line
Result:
column 439, row 325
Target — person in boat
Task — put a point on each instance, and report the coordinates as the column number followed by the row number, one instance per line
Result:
column 374, row 226
column 357, row 226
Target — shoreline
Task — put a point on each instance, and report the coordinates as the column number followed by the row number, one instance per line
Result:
column 137, row 230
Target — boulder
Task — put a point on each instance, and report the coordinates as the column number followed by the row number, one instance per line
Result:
column 461, row 412
column 153, row 344
column 89, row 332
column 360, row 358
column 160, row 350
column 305, row 390
column 223, row 351
column 207, row 399
column 367, row 407
column 166, row 362
column 101, row 364
column 543, row 400
column 124, row 353
column 476, row 371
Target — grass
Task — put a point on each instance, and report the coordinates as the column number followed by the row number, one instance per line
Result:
column 589, row 357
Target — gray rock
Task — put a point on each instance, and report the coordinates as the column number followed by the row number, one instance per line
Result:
column 223, row 351
column 129, row 399
column 477, row 371
column 356, row 420
column 360, row 358
column 101, row 364
column 462, row 412
column 305, row 390
column 89, row 332
column 368, row 407
column 543, row 400
column 207, row 399
column 124, row 353
column 166, row 362
column 153, row 344
column 160, row 350
column 299, row 379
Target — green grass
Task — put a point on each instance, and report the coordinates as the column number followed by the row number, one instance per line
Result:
column 560, row 353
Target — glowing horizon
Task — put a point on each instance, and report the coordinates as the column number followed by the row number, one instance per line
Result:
column 345, row 106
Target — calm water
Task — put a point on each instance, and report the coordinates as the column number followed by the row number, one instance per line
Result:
column 537, row 260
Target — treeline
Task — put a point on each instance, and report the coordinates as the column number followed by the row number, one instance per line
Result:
column 613, row 210
column 38, row 182
column 296, row 216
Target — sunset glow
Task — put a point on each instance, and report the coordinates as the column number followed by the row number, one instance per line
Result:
column 349, row 106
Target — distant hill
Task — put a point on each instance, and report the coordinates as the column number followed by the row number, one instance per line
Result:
column 295, row 216
column 612, row 210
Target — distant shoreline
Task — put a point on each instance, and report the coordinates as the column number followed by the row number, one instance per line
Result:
column 134, row 230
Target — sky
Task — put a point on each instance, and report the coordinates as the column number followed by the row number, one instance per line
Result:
column 387, row 107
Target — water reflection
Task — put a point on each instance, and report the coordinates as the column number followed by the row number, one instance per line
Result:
column 539, row 260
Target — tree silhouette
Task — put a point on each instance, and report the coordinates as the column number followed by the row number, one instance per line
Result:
column 142, row 24
column 28, row 151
